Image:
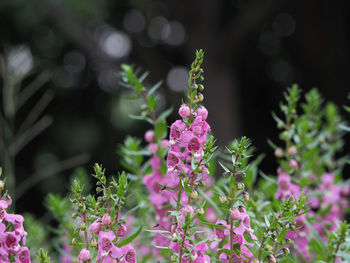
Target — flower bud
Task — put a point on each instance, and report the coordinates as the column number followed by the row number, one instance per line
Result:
column 293, row 163
column 184, row 111
column 93, row 243
column 234, row 214
column 240, row 186
column 285, row 251
column 226, row 174
column 268, row 247
column 292, row 150
column 203, row 112
column 106, row 220
column 200, row 211
column 278, row 152
column 271, row 258
column 75, row 241
column 149, row 136
column 201, row 87
column 121, row 230
column 1, row 185
column 200, row 96
column 194, row 194
column 84, row 255
column 245, row 196
column 289, row 241
column 223, row 199
column 173, row 258
column 83, row 227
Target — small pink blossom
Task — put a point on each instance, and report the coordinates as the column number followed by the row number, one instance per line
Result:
column 149, row 136
column 106, row 220
column 121, row 230
column 294, row 164
column 203, row 112
column 235, row 214
column 184, row 111
column 84, row 256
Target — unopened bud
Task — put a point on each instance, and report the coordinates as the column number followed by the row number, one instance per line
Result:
column 223, row 199
column 201, row 87
column 226, row 174
column 292, row 150
column 293, row 163
column 1, row 184
column 200, row 96
column 289, row 241
column 200, row 211
column 173, row 258
column 268, row 247
column 285, row 251
column 271, row 258
column 75, row 241
column 240, row 186
column 195, row 86
column 194, row 194
column 83, row 227
column 278, row 152
column 106, row 220
column 93, row 243
column 245, row 196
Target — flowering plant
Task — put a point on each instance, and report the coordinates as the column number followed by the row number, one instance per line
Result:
column 183, row 199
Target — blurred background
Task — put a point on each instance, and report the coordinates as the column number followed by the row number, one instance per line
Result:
column 67, row 109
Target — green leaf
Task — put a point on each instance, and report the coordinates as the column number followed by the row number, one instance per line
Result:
column 160, row 130
column 165, row 114
column 131, row 211
column 282, row 235
column 135, row 117
column 211, row 225
column 130, row 238
column 224, row 167
column 155, row 87
column 152, row 103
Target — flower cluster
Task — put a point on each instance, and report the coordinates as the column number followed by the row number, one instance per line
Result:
column 326, row 200
column 12, row 234
column 236, row 214
column 187, row 143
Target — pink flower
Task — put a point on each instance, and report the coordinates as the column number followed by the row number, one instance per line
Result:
column 184, row 111
column 294, row 164
column 23, row 255
column 153, row 148
column 278, row 152
column 84, row 256
column 194, row 144
column 129, row 254
column 106, row 220
column 121, row 230
column 176, row 129
column 155, row 162
column 149, row 136
column 202, row 111
column 292, row 150
column 235, row 214
column 172, row 159
column 164, row 143
column 106, row 248
column 95, row 227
